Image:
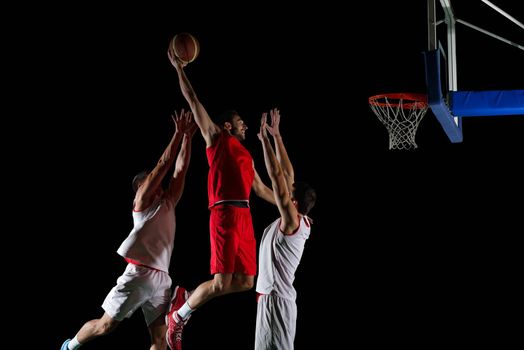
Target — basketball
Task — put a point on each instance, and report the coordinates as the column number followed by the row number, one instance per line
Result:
column 185, row 46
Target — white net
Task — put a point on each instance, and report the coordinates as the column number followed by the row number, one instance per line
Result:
column 401, row 115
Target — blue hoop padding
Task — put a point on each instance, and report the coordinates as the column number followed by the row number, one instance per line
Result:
column 436, row 101
column 486, row 103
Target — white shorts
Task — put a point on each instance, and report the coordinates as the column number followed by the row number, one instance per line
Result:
column 139, row 287
column 276, row 323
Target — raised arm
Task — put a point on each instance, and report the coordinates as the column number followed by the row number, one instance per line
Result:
column 207, row 127
column 176, row 186
column 146, row 192
column 261, row 189
column 282, row 195
column 281, row 152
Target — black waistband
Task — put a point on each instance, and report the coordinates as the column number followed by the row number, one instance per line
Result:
column 239, row 204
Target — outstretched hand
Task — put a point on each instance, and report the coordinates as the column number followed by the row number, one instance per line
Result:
column 274, row 129
column 175, row 61
column 262, row 134
column 193, row 128
column 184, row 122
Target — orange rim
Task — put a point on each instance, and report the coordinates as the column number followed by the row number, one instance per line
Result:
column 405, row 100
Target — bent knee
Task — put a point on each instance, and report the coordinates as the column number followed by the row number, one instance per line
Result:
column 248, row 284
column 220, row 287
column 244, row 284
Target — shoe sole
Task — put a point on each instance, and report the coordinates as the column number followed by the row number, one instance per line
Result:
column 175, row 292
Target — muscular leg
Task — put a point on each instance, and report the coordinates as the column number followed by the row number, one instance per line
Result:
column 96, row 328
column 157, row 331
column 221, row 284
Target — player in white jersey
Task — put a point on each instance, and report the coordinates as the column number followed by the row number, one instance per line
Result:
column 282, row 244
column 148, row 248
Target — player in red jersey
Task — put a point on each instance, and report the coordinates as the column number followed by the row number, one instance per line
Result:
column 231, row 177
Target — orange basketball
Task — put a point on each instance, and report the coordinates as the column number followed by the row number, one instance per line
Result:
column 185, row 46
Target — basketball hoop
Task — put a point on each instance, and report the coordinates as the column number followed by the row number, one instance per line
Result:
column 401, row 113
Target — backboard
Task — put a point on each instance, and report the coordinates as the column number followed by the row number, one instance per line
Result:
column 447, row 102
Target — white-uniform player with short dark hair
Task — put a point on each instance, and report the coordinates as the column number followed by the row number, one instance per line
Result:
column 146, row 283
column 281, row 246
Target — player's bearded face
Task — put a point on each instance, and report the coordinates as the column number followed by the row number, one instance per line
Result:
column 239, row 129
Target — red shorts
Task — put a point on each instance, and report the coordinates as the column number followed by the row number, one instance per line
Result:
column 233, row 244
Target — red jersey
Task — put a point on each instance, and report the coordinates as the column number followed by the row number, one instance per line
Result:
column 231, row 172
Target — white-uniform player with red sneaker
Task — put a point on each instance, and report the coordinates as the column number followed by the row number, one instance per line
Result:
column 281, row 246
column 145, row 282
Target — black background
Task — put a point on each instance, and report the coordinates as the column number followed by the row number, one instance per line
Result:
column 408, row 249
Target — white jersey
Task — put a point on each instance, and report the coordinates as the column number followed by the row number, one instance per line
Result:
column 279, row 256
column 151, row 240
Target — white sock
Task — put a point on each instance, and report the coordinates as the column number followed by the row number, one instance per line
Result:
column 185, row 311
column 74, row 344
